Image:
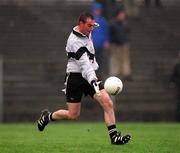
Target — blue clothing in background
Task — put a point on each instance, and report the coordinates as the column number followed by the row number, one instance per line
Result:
column 100, row 35
column 119, row 32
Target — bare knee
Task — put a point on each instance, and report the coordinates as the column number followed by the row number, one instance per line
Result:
column 108, row 104
column 74, row 115
column 105, row 101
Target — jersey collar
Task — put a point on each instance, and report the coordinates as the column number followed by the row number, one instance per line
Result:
column 77, row 33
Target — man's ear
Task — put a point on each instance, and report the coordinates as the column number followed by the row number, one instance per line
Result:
column 81, row 23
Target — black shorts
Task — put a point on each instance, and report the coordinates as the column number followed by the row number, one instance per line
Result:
column 77, row 86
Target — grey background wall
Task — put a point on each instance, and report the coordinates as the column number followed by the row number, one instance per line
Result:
column 32, row 44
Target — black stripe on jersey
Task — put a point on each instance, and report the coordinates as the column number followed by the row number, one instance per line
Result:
column 78, row 34
column 79, row 53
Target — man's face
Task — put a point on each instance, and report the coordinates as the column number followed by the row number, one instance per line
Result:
column 87, row 27
column 121, row 16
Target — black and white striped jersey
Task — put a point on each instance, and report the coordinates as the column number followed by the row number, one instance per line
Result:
column 81, row 55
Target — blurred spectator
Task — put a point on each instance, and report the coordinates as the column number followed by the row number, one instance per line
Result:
column 158, row 3
column 108, row 7
column 175, row 78
column 100, row 35
column 120, row 56
column 132, row 8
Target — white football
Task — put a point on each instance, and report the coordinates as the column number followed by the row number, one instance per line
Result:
column 113, row 85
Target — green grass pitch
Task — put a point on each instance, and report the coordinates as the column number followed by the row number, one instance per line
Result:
column 77, row 137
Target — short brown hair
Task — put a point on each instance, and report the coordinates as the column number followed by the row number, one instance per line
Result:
column 83, row 16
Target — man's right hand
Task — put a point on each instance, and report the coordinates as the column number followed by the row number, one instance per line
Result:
column 95, row 85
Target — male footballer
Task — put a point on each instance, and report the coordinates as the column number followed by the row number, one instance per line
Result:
column 81, row 79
